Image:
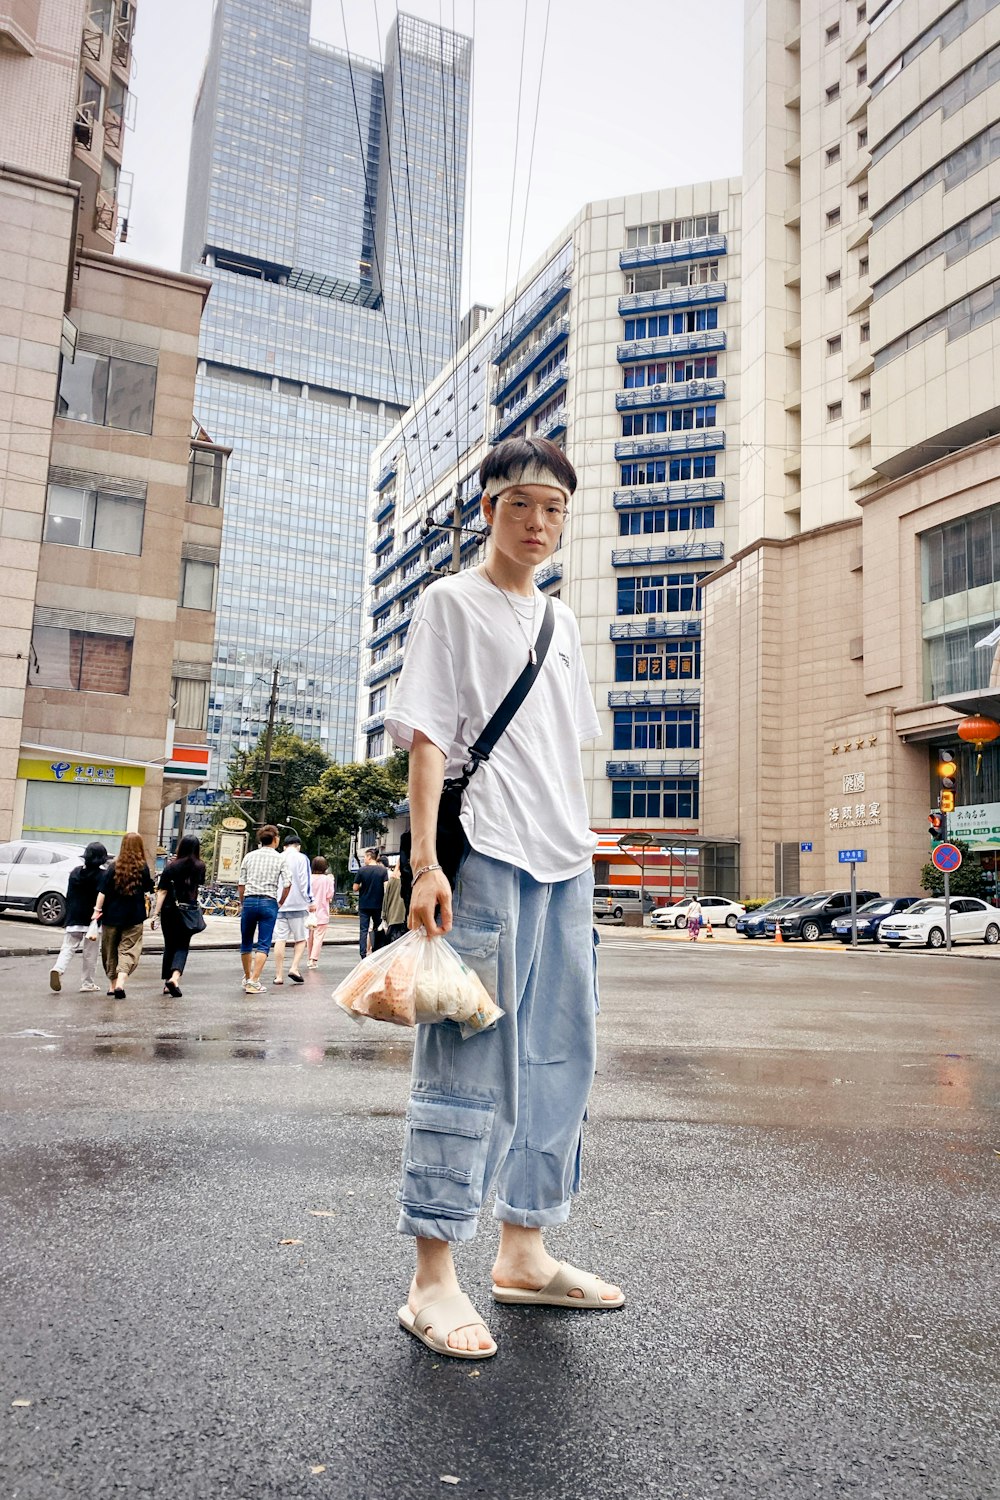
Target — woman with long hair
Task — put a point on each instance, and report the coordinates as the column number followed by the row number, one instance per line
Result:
column 176, row 897
column 121, row 911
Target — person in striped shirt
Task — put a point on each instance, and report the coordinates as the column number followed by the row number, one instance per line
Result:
column 263, row 888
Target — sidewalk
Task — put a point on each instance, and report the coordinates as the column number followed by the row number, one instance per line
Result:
column 726, row 936
column 26, row 937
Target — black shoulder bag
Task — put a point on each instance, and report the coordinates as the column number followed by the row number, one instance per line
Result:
column 451, row 840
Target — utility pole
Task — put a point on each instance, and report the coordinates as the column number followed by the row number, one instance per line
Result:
column 269, row 736
column 456, row 533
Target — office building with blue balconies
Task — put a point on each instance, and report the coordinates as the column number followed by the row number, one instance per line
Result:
column 622, row 345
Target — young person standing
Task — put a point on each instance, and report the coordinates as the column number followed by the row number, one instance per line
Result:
column 262, row 888
column 177, row 888
column 324, row 889
column 81, row 894
column 370, row 888
column 291, row 924
column 504, row 1108
column 121, row 910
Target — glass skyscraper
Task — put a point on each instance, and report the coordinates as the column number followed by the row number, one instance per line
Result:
column 325, row 201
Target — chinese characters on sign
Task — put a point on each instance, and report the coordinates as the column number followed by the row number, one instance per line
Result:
column 856, row 814
column 855, row 782
column 97, row 775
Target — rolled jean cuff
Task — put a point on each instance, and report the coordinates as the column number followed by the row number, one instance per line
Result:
column 452, row 1230
column 531, row 1218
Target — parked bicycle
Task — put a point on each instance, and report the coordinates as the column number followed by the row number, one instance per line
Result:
column 219, row 901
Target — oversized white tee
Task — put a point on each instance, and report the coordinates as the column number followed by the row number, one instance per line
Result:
column 525, row 805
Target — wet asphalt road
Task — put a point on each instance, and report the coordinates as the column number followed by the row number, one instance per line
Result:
column 792, row 1166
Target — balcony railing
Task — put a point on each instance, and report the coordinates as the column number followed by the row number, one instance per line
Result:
column 656, row 628
column 673, row 296
column 701, row 248
column 375, row 722
column 673, row 343
column 628, row 557
column 671, row 395
column 551, row 573
column 661, row 443
column 529, row 361
column 554, row 425
column 619, row 770
column 382, row 508
column 654, row 697
column 389, row 628
column 383, row 542
column 383, row 668
column 534, row 399
column 387, row 473
column 530, row 318
column 669, row 494
column 396, row 559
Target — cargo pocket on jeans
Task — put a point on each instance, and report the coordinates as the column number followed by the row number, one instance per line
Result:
column 477, row 942
column 444, row 1157
column 597, row 987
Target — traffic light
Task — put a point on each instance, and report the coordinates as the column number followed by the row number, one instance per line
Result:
column 946, row 769
column 935, row 826
column 947, row 801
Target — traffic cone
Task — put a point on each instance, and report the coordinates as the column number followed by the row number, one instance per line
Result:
column 777, row 933
column 708, row 929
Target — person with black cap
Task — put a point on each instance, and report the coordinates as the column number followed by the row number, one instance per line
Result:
column 81, row 893
column 291, row 923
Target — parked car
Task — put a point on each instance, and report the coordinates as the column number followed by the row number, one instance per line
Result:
column 615, row 901
column 33, row 877
column 871, row 916
column 972, row 921
column 751, row 924
column 809, row 919
column 771, row 918
column 715, row 909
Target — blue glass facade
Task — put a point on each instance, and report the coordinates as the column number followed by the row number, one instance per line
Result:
column 325, row 201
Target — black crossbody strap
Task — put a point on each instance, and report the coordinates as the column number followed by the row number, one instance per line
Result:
column 508, row 708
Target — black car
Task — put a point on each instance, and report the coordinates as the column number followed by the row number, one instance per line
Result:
column 771, row 919
column 809, row 919
column 871, row 917
column 752, row 923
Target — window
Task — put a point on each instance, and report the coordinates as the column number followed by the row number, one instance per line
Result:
column 197, row 584
column 832, row 217
column 673, row 229
column 375, row 744
column 865, row 332
column 662, row 325
column 666, row 797
column 91, row 96
column 667, row 660
column 832, row 155
column 832, row 281
column 863, row 138
column 205, row 477
column 666, row 278
column 107, row 391
column 863, row 202
column 862, row 265
column 653, row 522
column 834, row 411
column 662, row 471
column 834, row 344
column 81, row 660
column 656, row 729
column 832, row 32
column 190, row 697
column 866, row 400
column 833, row 93
column 653, row 593
column 110, row 172
column 376, row 700
column 678, row 419
column 93, row 518
column 862, row 12
column 863, row 73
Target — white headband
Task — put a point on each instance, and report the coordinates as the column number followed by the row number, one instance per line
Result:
column 533, row 473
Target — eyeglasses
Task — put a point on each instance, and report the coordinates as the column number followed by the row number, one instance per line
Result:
column 550, row 511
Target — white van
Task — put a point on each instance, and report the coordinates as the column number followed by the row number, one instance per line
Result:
column 615, row 901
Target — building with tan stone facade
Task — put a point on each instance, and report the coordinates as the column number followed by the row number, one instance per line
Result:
column 110, row 494
column 856, row 622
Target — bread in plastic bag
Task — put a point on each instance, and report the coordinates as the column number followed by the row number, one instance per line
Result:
column 418, row 980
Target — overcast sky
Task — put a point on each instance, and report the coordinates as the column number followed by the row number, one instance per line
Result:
column 635, row 95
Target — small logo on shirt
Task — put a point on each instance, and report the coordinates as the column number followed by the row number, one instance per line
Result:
column 564, row 659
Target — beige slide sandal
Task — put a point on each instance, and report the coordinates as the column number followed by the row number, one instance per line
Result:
column 557, row 1292
column 444, row 1316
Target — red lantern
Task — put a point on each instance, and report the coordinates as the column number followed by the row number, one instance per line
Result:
column 978, row 730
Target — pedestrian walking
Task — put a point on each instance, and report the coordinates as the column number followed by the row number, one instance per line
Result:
column 694, row 920
column 370, row 888
column 506, row 1106
column 177, row 910
column 393, row 923
column 121, row 910
column 262, row 887
column 291, row 924
column 324, row 889
column 81, row 897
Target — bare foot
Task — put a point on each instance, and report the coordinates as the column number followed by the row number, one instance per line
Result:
column 423, row 1293
column 529, row 1268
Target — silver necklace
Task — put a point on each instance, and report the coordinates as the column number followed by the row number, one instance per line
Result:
column 529, row 640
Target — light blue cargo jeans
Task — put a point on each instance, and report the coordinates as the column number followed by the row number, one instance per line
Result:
column 505, row 1108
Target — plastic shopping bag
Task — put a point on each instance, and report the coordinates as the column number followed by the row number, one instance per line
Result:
column 93, row 932
column 418, row 979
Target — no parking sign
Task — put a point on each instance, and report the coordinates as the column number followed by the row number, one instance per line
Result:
column 946, row 858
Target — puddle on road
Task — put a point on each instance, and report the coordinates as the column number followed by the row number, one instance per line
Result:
column 230, row 1043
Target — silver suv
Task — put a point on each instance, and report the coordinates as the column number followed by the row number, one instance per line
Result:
column 33, row 877
column 615, row 901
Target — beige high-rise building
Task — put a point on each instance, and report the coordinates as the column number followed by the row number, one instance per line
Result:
column 110, row 494
column 858, row 620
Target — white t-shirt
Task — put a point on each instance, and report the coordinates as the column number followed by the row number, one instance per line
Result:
column 464, row 650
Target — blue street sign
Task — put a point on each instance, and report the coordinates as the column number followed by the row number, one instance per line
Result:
column 946, row 857
column 805, row 848
column 852, row 856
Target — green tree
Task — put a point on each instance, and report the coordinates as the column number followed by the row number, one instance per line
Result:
column 967, row 880
column 296, row 764
column 359, row 794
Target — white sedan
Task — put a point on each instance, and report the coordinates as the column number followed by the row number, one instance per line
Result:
column 715, row 909
column 972, row 921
